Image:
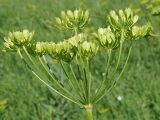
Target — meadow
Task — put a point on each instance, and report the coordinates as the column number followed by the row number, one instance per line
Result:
column 22, row 97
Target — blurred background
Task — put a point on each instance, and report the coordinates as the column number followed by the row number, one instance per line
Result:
column 22, row 97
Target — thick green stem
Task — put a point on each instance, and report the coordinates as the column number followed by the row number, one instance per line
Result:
column 89, row 114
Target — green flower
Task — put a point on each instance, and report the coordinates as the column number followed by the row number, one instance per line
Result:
column 40, row 48
column 141, row 31
column 17, row 39
column 76, row 40
column 88, row 49
column 107, row 38
column 64, row 51
column 9, row 45
column 44, row 48
column 76, row 19
column 60, row 51
column 123, row 19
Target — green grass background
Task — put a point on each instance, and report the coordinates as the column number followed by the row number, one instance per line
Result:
column 23, row 97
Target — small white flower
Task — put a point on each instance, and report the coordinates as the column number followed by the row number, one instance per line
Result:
column 103, row 74
column 119, row 98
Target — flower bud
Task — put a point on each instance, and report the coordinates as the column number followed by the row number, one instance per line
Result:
column 72, row 20
column 88, row 49
column 17, row 39
column 129, row 13
column 70, row 14
column 122, row 16
column 76, row 40
column 141, row 31
column 113, row 17
column 27, row 35
column 58, row 20
column 63, row 14
column 45, row 48
column 107, row 38
column 135, row 19
column 76, row 14
column 40, row 48
column 64, row 51
column 50, row 48
column 122, row 19
column 8, row 44
column 86, row 14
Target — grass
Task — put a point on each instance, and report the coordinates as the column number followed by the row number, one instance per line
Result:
column 22, row 96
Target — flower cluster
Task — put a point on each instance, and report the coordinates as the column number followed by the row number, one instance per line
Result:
column 44, row 47
column 107, row 38
column 141, row 31
column 122, row 26
column 88, row 49
column 63, row 51
column 60, row 51
column 122, row 19
column 18, row 39
column 77, row 39
column 73, row 20
column 67, row 49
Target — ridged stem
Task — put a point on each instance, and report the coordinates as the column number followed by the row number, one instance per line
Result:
column 89, row 113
